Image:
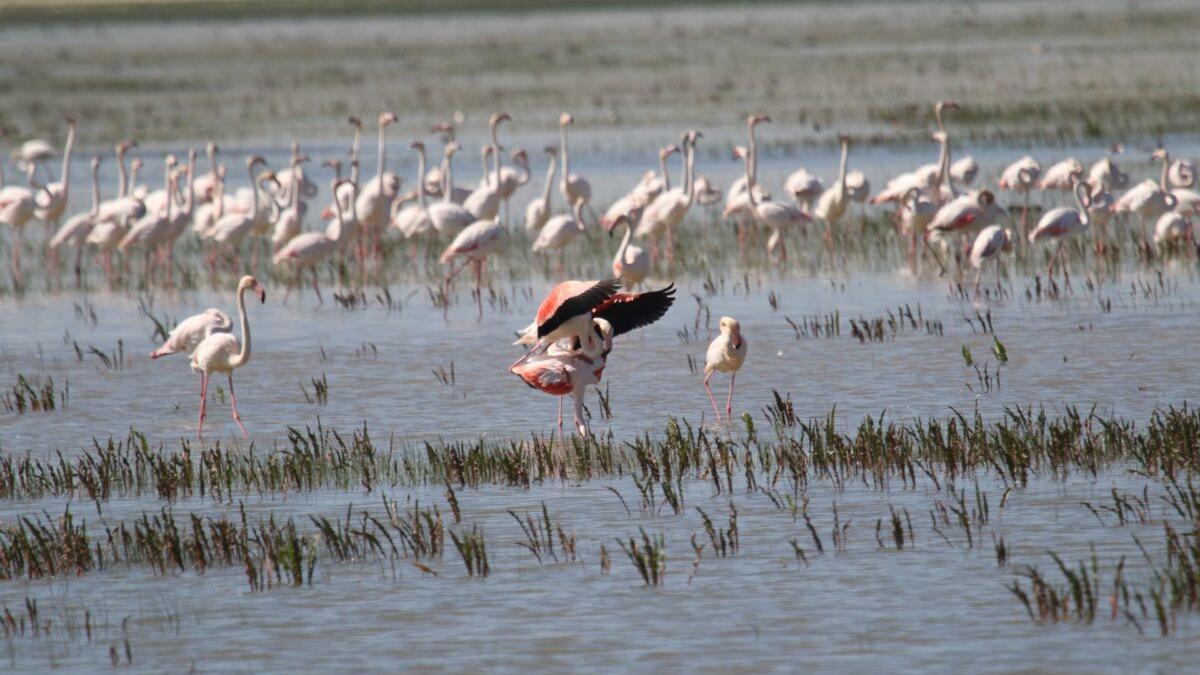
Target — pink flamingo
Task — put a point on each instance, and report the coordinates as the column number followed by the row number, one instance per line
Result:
column 190, row 332
column 726, row 354
column 222, row 353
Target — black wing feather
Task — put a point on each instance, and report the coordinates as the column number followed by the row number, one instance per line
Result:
column 580, row 304
column 640, row 310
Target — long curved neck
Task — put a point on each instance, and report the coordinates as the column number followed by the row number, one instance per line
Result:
column 122, row 176
column 244, row 354
column 95, row 189
column 662, row 169
column 689, row 188
column 753, row 156
column 448, row 175
column 297, row 183
column 65, row 174
column 624, row 243
column 842, row 166
column 549, row 182
column 381, row 157
column 254, row 188
column 750, row 183
column 566, row 157
column 420, row 177
column 1166, row 163
column 169, row 188
column 354, row 154
column 483, row 163
column 495, row 157
column 578, row 209
column 191, row 191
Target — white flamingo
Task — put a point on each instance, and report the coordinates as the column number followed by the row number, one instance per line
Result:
column 190, row 332
column 223, row 353
column 631, row 264
column 538, row 210
column 307, row 250
column 1060, row 223
column 574, row 188
column 991, row 242
column 726, row 354
column 78, row 226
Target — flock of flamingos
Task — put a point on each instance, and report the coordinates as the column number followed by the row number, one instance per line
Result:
column 572, row 334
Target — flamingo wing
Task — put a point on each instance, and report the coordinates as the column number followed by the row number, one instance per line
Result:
column 627, row 311
column 570, row 299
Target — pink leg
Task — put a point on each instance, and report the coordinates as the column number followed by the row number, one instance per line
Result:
column 729, row 401
column 317, row 285
column 16, row 254
column 203, row 406
column 710, row 395
column 236, row 417
column 560, row 426
column 478, row 265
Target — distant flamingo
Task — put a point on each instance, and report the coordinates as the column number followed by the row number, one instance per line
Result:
column 150, row 230
column 447, row 217
column 233, row 228
column 17, row 207
column 991, row 242
column 222, row 353
column 1061, row 176
column 310, row 248
column 775, row 216
column 964, row 171
column 832, row 203
column 1021, row 176
column 538, row 210
column 190, row 332
column 374, row 205
column 738, row 204
column 114, row 216
column 1149, row 199
column 560, row 231
column 574, row 188
column 645, row 192
column 631, row 264
column 414, row 220
column 1063, row 222
column 707, row 193
column 53, row 198
column 1170, row 228
column 726, row 354
column 917, row 211
column 78, row 226
column 1106, row 175
column 668, row 210
column 473, row 245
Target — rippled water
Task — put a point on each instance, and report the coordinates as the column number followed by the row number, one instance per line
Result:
column 940, row 606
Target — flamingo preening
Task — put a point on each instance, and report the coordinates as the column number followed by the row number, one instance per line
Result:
column 631, row 263
column 223, row 353
column 189, row 333
column 726, row 354
column 989, row 244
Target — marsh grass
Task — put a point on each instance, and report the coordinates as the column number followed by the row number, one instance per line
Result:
column 37, row 395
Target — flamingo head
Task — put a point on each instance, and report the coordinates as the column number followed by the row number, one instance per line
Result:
column 250, row 283
column 451, row 148
column 565, row 119
column 551, row 150
column 520, row 157
column 947, row 105
column 757, row 119
column 355, row 121
column 740, row 152
column 497, row 118
column 334, row 164
column 731, row 327
column 416, row 145
column 387, row 118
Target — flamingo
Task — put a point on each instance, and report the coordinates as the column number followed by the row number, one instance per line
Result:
column 774, row 216
column 566, row 312
column 512, row 179
column 190, row 332
column 231, row 229
column 310, row 248
column 916, row 213
column 560, row 231
column 1021, row 176
column 738, row 204
column 646, row 191
column 831, row 205
column 375, row 197
column 669, row 208
column 50, row 209
column 1063, row 222
column 281, row 187
column 1107, row 176
column 474, row 244
column 223, row 353
column 151, row 229
column 707, row 193
column 114, row 216
column 975, row 209
column 568, row 368
column 964, row 170
column 1061, row 176
column 182, row 217
column 414, row 220
column 928, row 177
column 574, row 188
column 17, row 207
column 538, row 210
column 484, row 200
column 991, row 242
column 446, row 216
column 205, row 185
column 1148, row 199
column 1182, row 173
column 726, row 354
column 31, row 154
column 290, row 220
column 631, row 264
column 77, row 227
column 804, row 187
column 1171, row 227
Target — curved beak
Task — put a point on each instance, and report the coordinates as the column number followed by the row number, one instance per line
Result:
column 262, row 293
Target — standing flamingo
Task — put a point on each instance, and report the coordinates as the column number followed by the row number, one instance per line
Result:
column 114, row 216
column 738, row 204
column 222, row 353
column 831, row 205
column 151, row 229
column 560, row 231
column 646, row 191
column 1021, row 176
column 310, row 248
column 991, row 242
column 775, row 216
column 726, row 354
column 1063, row 222
column 447, row 217
column 917, row 211
column 233, row 228
column 414, row 220
column 375, row 197
column 1061, row 176
column 574, row 188
column 474, row 244
column 1149, row 199
column 631, row 264
column 78, row 226
column 669, row 208
column 51, row 208
column 538, row 210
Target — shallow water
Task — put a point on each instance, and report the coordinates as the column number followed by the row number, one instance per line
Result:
column 940, row 606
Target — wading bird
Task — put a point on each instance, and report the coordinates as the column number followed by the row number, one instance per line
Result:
column 223, row 353
column 726, row 354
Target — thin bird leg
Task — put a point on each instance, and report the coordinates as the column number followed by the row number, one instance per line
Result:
column 16, row 254
column 999, row 284
column 479, row 285
column 203, row 406
column 729, row 401
column 1024, row 215
column 316, row 284
column 1053, row 260
column 78, row 264
column 236, row 417
column 978, row 273
column 937, row 258
column 1066, row 269
column 581, row 424
column 710, row 395
column 560, row 424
